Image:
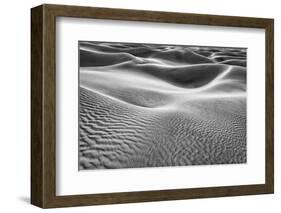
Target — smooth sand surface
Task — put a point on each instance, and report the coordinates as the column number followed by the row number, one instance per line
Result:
column 161, row 105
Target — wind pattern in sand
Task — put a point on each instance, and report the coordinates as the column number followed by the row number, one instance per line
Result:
column 154, row 105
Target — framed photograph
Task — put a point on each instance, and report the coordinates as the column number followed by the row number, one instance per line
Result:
column 136, row 106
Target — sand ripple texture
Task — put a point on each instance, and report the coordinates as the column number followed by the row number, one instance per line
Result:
column 144, row 105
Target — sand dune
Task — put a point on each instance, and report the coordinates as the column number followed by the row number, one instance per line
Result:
column 147, row 105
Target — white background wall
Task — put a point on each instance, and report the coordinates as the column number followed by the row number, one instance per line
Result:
column 15, row 105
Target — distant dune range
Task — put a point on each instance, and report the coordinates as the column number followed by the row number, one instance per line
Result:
column 144, row 105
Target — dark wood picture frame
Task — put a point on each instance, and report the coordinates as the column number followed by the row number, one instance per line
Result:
column 43, row 105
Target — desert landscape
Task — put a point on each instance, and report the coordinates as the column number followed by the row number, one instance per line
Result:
column 155, row 105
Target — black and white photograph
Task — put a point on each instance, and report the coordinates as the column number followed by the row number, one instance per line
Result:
column 161, row 105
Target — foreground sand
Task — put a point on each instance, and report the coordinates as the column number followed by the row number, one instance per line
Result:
column 150, row 106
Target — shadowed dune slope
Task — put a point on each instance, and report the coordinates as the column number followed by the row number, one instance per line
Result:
column 145, row 105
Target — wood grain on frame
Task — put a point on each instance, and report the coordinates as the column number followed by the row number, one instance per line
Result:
column 43, row 105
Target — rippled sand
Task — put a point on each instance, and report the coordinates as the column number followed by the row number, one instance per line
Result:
column 161, row 105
